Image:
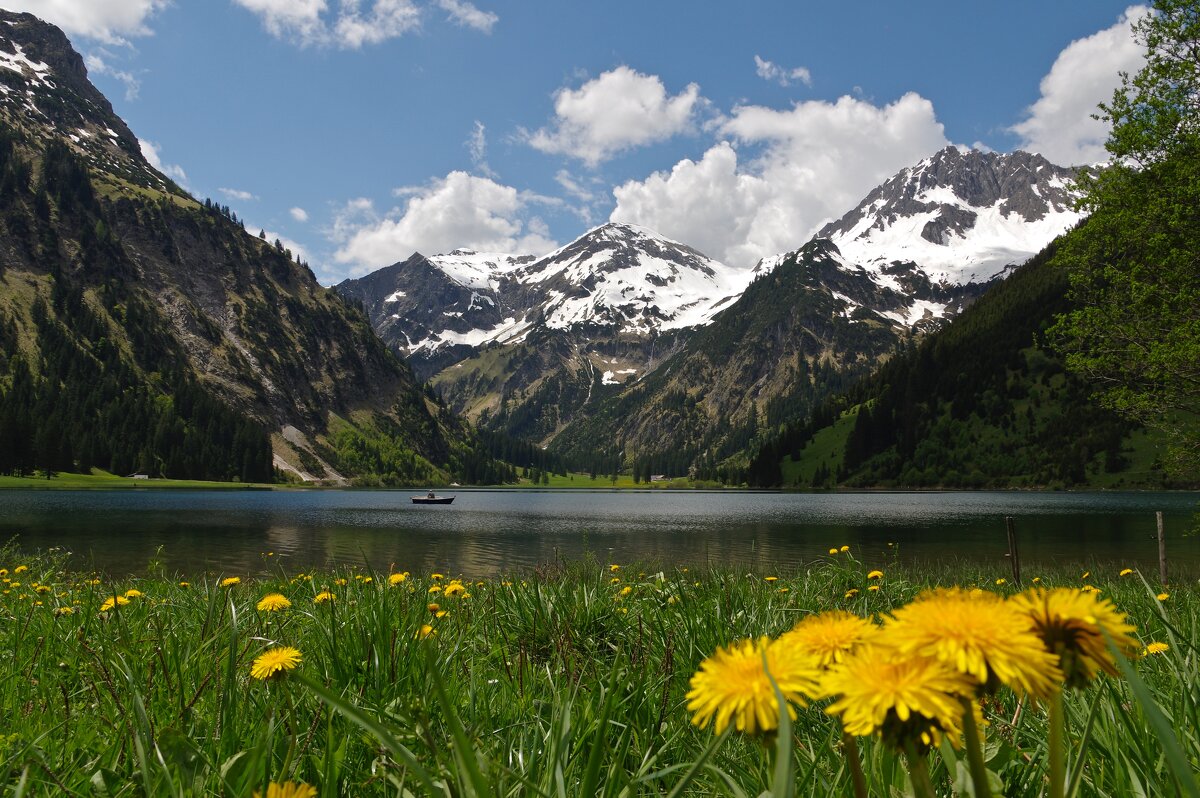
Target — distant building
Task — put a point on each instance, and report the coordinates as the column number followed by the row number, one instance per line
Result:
column 658, row 478
column 139, row 476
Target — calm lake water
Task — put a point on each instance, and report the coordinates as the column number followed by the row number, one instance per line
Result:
column 486, row 532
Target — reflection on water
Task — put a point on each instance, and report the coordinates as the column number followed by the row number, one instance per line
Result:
column 486, row 532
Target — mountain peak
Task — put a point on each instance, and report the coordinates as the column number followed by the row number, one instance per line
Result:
column 45, row 90
column 962, row 216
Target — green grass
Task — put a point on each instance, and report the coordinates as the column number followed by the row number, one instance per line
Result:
column 104, row 480
column 826, row 448
column 562, row 681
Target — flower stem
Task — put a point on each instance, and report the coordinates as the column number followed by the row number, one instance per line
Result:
column 850, row 745
column 1058, row 759
column 979, row 774
column 918, row 771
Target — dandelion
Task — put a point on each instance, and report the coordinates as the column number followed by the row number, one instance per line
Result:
column 616, row 580
column 64, row 611
column 441, row 614
column 1001, row 581
column 275, row 662
column 230, row 581
column 1163, row 596
column 732, row 686
column 3, row 572
column 1155, row 648
column 433, row 607
column 1073, row 626
column 340, row 581
column 1090, row 589
column 425, row 631
column 911, row 701
column 1085, row 574
column 273, row 602
column 46, row 589
column 396, row 579
column 436, row 576
column 844, row 549
column 976, row 633
column 828, row 637
column 434, row 589
column 185, row 585
column 1037, row 580
column 288, row 789
column 625, row 591
column 875, row 575
column 455, row 588
column 851, row 593
column 614, row 568
column 133, row 593
column 770, row 578
column 20, row 569
column 833, row 551
column 873, row 589
column 1125, row 572
column 113, row 601
column 324, row 597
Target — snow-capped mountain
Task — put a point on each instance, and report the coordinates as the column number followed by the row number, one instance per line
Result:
column 616, row 279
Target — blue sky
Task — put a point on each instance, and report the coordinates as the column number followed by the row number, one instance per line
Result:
column 361, row 130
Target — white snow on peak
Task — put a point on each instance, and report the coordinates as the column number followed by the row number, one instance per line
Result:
column 19, row 63
column 477, row 270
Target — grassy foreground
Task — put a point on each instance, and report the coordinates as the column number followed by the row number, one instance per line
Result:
column 559, row 682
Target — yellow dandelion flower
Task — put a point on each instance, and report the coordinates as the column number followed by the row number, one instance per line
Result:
column 230, row 581
column 273, row 602
column 851, row 593
column 1085, row 574
column 732, row 686
column 425, row 631
column 340, row 581
column 911, row 699
column 185, row 584
column 64, row 610
column 14, row 585
column 324, row 597
column 877, row 574
column 1163, row 596
column 614, row 568
column 275, row 662
column 113, row 601
column 20, row 569
column 396, row 579
column 1037, row 580
column 434, row 589
column 828, row 637
column 1073, row 625
column 833, row 551
column 784, row 589
column 873, row 589
column 977, row 633
column 1155, row 648
column 455, row 588
column 441, row 614
column 625, row 591
column 46, row 589
column 1090, row 589
column 770, row 578
column 1002, row 581
column 436, row 576
column 844, row 549
column 1125, row 572
column 133, row 593
column 433, row 607
column 3, row 572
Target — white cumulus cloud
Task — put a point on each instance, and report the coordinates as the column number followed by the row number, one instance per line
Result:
column 1060, row 124
column 768, row 70
column 459, row 210
column 153, row 156
column 814, row 162
column 299, row 214
column 352, row 25
column 619, row 110
column 468, row 15
column 238, row 194
column 110, row 21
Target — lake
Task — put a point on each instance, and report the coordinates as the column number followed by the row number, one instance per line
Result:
column 486, row 532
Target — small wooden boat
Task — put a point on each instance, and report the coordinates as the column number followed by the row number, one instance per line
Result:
column 431, row 498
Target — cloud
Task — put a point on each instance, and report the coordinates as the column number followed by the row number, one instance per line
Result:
column 617, row 111
column 459, row 210
column 299, row 214
column 784, row 77
column 109, row 21
column 815, row 162
column 150, row 151
column 477, row 148
column 237, row 194
column 98, row 66
column 308, row 22
column 467, row 15
column 1060, row 124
